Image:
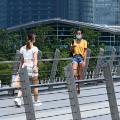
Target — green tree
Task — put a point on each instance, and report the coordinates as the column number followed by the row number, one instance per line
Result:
column 11, row 41
column 9, row 44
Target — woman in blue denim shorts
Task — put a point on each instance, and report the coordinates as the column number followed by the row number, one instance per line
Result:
column 79, row 50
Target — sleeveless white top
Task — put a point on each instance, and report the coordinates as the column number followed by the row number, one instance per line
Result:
column 28, row 59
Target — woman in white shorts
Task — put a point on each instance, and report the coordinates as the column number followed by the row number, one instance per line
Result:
column 29, row 58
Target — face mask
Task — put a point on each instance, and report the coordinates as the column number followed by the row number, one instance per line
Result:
column 78, row 37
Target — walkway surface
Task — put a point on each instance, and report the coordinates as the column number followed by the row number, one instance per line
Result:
column 51, row 110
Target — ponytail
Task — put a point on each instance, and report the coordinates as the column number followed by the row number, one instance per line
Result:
column 30, row 38
column 28, row 45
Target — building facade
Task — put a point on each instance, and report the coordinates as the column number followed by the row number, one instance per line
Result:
column 3, row 13
column 61, row 30
column 106, row 12
column 17, row 12
column 23, row 11
column 100, row 11
column 86, row 11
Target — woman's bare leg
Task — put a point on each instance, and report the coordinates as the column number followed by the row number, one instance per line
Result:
column 35, row 90
column 74, row 67
column 80, row 76
column 19, row 93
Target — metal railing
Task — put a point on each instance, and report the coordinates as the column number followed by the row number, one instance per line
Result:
column 56, row 103
column 110, row 94
column 97, row 100
column 53, row 72
column 94, row 102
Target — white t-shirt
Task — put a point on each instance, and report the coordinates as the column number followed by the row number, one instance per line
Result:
column 28, row 55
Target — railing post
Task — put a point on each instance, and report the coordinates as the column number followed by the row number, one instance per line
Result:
column 118, row 69
column 112, row 58
column 87, row 63
column 99, row 63
column 27, row 97
column 72, row 92
column 54, row 67
column 111, row 92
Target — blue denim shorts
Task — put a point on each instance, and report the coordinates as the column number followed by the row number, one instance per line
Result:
column 77, row 59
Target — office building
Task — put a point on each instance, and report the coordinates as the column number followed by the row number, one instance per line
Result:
column 17, row 12
column 100, row 11
column 3, row 13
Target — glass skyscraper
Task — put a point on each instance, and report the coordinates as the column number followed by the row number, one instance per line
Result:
column 106, row 12
column 16, row 12
column 3, row 13
column 86, row 11
column 100, row 11
column 23, row 11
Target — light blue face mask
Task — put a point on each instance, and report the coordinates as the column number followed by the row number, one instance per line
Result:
column 78, row 37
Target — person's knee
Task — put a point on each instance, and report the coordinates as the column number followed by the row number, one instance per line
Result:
column 35, row 80
column 35, row 90
column 81, row 66
column 75, row 66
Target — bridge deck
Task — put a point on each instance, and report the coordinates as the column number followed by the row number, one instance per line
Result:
column 89, row 100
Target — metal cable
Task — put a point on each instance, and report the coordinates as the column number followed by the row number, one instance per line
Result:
column 55, row 100
column 57, row 115
column 54, row 108
column 94, row 102
column 94, row 109
column 8, row 98
column 12, row 106
column 13, row 114
column 92, row 88
column 96, row 95
column 54, row 93
column 96, row 116
column 117, row 92
column 116, row 85
column 61, row 59
column 92, row 95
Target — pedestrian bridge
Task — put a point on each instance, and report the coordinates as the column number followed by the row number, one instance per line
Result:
column 99, row 98
column 93, row 103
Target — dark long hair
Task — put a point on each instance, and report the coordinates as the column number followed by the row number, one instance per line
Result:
column 30, row 38
column 78, row 30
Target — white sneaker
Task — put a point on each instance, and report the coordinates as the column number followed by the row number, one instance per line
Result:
column 37, row 103
column 18, row 102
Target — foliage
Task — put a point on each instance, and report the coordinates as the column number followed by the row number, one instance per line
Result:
column 47, row 44
column 92, row 37
column 5, row 73
column 9, row 43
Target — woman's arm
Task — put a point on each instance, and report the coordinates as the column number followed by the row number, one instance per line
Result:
column 85, row 54
column 35, row 62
